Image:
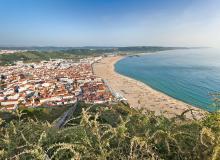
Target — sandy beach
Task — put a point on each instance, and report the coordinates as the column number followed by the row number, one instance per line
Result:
column 138, row 94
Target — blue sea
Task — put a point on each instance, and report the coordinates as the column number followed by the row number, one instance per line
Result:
column 190, row 75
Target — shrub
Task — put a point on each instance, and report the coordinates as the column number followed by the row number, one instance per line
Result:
column 118, row 136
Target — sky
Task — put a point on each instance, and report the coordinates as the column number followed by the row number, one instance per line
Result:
column 72, row 23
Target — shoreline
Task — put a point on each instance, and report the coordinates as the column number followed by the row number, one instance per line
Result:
column 141, row 95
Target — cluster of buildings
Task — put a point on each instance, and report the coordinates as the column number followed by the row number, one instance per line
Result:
column 11, row 51
column 50, row 83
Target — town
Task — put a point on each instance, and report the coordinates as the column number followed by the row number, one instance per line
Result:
column 51, row 83
column 11, row 51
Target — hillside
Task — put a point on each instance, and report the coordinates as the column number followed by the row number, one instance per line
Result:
column 35, row 56
column 46, row 53
column 112, row 132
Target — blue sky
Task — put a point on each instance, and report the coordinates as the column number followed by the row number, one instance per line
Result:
column 109, row 22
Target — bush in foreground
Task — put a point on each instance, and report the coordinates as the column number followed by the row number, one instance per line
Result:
column 112, row 133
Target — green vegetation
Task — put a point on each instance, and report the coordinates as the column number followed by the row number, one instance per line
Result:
column 34, row 56
column 43, row 114
column 74, row 53
column 37, row 56
column 112, row 132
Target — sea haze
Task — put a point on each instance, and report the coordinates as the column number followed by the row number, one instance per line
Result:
column 189, row 75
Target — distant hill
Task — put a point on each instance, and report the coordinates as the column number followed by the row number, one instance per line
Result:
column 34, row 54
column 129, row 48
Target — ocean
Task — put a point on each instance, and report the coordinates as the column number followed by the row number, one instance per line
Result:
column 190, row 75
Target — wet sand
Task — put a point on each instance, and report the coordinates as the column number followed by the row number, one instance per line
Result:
column 140, row 95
